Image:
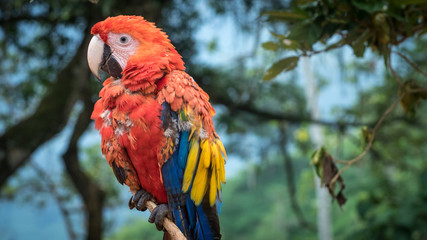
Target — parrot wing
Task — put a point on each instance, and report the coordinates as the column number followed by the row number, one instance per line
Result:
column 112, row 148
column 194, row 158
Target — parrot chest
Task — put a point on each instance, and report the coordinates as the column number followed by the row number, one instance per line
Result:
column 134, row 120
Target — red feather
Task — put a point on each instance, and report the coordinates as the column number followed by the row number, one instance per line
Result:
column 128, row 113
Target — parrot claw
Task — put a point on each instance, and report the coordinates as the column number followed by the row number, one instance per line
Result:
column 158, row 216
column 139, row 200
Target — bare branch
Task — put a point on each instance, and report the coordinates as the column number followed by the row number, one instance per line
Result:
column 268, row 115
column 369, row 145
column 411, row 63
column 396, row 77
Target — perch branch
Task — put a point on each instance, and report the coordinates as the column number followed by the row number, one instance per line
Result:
column 170, row 226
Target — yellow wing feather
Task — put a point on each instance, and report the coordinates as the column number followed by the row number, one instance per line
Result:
column 193, row 157
column 200, row 184
column 205, row 157
column 221, row 147
column 215, row 186
column 212, row 188
column 210, row 171
column 222, row 167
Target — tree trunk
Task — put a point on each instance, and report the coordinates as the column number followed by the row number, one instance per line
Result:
column 323, row 202
column 20, row 141
column 92, row 194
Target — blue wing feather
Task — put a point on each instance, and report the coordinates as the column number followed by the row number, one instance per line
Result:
column 183, row 149
column 196, row 222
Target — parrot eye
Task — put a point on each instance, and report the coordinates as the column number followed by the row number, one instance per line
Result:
column 124, row 39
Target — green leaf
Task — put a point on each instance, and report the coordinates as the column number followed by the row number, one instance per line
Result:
column 410, row 98
column 285, row 64
column 337, row 20
column 369, row 6
column 335, row 45
column 278, row 36
column 286, row 43
column 306, row 3
column 366, row 135
column 307, row 32
column 284, row 15
column 290, row 44
column 406, row 2
column 272, row 46
column 317, row 161
column 359, row 45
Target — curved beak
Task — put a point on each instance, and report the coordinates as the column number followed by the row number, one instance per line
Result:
column 94, row 56
column 100, row 57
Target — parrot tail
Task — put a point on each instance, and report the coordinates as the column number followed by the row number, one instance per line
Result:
column 196, row 222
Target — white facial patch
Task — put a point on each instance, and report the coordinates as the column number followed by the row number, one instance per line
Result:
column 122, row 47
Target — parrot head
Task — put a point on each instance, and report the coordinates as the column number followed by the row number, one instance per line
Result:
column 123, row 45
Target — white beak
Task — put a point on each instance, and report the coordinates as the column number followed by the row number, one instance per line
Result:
column 94, row 56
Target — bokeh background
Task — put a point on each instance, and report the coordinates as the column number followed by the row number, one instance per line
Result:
column 285, row 77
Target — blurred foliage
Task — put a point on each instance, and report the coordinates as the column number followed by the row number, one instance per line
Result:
column 94, row 164
column 360, row 24
column 30, row 62
column 387, row 198
column 136, row 229
column 411, row 96
column 393, row 207
column 316, row 26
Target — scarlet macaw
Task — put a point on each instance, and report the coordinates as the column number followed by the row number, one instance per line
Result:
column 156, row 126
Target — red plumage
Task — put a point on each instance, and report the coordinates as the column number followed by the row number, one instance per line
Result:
column 135, row 121
column 156, row 125
column 128, row 113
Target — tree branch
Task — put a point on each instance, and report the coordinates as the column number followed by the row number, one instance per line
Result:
column 293, row 118
column 170, row 226
column 411, row 63
column 92, row 194
column 369, row 145
column 289, row 169
column 19, row 141
column 268, row 115
column 396, row 77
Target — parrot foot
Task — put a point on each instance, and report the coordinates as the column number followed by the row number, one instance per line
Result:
column 158, row 216
column 139, row 200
